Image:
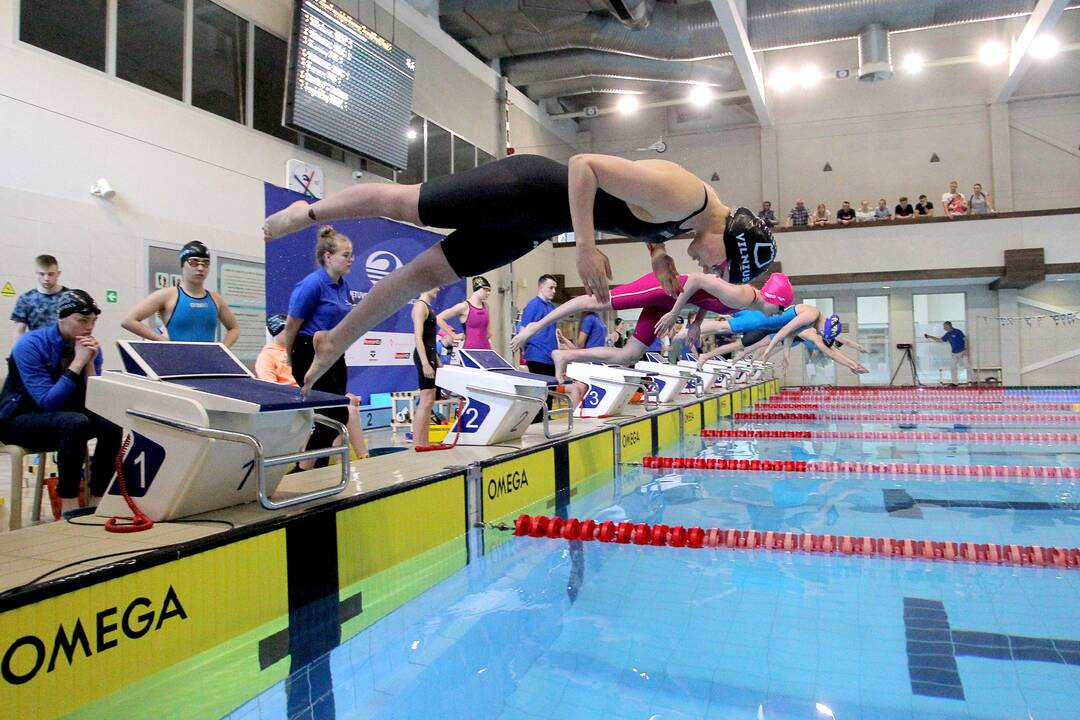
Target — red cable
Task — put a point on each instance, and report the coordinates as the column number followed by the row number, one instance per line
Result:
column 139, row 521
column 443, row 446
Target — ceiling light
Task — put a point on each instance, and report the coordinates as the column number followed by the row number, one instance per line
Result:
column 992, row 53
column 700, row 95
column 886, row 287
column 809, row 76
column 913, row 63
column 1044, row 47
column 782, row 79
column 627, row 104
column 412, row 134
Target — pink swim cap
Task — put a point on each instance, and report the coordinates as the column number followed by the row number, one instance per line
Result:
column 777, row 290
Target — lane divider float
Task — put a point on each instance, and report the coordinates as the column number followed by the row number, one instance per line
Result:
column 907, row 417
column 677, row 536
column 996, row 437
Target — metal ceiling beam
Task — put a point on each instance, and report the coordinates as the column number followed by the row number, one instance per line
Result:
column 731, row 23
column 1042, row 20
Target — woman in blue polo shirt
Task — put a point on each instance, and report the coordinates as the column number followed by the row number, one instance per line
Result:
column 319, row 302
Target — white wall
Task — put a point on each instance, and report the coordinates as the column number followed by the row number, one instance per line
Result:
column 181, row 173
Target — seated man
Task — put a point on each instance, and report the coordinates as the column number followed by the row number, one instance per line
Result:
column 707, row 292
column 43, row 403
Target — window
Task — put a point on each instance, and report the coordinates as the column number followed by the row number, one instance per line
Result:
column 271, row 57
column 873, row 334
column 150, row 45
column 464, row 155
column 819, row 369
column 482, row 158
column 414, row 173
column 219, row 61
column 75, row 30
column 934, row 359
column 438, row 151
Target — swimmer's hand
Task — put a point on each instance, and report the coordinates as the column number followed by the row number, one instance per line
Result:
column 665, row 323
column 595, row 272
column 664, row 269
column 860, row 369
column 693, row 334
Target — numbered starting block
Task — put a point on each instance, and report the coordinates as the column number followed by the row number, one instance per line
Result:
column 500, row 402
column 197, row 423
column 670, row 379
column 609, row 388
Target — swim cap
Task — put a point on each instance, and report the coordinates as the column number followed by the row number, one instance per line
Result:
column 749, row 244
column 275, row 324
column 480, row 282
column 777, row 290
column 194, row 249
column 76, row 301
column 832, row 329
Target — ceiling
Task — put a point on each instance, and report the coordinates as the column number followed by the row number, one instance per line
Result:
column 570, row 55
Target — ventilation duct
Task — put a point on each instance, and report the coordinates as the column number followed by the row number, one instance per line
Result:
column 875, row 57
column 634, row 14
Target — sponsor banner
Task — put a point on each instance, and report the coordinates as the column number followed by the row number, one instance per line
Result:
column 591, row 457
column 726, row 406
column 635, row 441
column 667, row 429
column 691, row 418
column 203, row 613
column 744, row 398
column 711, row 412
column 381, row 349
column 508, row 488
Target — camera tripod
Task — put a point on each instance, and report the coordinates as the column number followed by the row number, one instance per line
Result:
column 910, row 360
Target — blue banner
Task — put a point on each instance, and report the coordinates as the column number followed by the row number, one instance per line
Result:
column 380, row 361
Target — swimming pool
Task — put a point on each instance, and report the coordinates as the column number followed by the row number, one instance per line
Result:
column 552, row 628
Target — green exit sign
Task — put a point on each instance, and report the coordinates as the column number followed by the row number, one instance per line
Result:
column 110, row 296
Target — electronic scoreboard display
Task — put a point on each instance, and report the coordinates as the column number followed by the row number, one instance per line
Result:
column 348, row 85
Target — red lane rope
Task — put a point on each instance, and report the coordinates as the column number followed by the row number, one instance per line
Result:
column 661, row 535
column 907, row 417
column 891, row 405
column 138, row 521
column 984, row 471
column 996, row 437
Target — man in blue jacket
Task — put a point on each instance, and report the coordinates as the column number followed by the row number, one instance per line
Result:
column 958, row 345
column 43, row 402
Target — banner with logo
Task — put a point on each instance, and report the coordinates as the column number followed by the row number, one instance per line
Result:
column 380, row 361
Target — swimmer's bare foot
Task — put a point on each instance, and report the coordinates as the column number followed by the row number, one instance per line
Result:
column 518, row 341
column 559, row 357
column 293, row 218
column 325, row 356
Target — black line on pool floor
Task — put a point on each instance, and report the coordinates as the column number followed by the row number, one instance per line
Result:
column 900, row 503
column 933, row 646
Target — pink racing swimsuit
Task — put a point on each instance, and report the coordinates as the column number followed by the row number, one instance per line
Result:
column 647, row 293
column 476, row 328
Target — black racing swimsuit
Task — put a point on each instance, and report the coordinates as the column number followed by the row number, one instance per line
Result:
column 502, row 210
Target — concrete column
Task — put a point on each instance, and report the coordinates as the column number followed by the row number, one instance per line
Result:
column 1001, row 156
column 1011, row 362
column 770, row 169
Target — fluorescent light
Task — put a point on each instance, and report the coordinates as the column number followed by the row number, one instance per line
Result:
column 993, row 53
column 412, row 134
column 627, row 104
column 809, row 76
column 913, row 63
column 1044, row 47
column 886, row 287
column 782, row 79
column 700, row 95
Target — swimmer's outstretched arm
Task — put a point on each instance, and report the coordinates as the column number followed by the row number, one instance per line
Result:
column 581, row 303
column 837, row 357
column 663, row 190
column 806, row 316
column 846, row 339
column 734, row 296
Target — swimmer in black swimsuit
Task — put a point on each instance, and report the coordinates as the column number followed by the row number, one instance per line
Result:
column 502, row 210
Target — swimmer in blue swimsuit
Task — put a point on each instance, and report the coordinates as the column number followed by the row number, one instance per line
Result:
column 814, row 327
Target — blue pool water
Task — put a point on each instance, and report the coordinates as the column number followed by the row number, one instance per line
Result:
column 544, row 628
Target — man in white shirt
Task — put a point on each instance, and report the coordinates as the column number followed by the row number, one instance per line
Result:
column 953, row 191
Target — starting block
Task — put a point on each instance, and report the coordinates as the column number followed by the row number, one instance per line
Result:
column 197, row 422
column 670, row 379
column 500, row 402
column 609, row 388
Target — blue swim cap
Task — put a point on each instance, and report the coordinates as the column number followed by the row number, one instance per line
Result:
column 832, row 329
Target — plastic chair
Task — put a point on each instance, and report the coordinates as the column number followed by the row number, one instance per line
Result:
column 16, row 453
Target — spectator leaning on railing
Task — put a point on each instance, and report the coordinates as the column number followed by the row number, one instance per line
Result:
column 882, row 211
column 924, row 208
column 979, row 203
column 846, row 214
column 864, row 213
column 821, row 216
column 767, row 215
column 903, row 210
column 799, row 215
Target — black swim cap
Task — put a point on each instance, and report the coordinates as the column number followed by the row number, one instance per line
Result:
column 480, row 282
column 194, row 249
column 76, row 301
column 275, row 324
column 749, row 244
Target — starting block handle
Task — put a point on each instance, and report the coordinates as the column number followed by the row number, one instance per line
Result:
column 261, row 461
column 568, row 411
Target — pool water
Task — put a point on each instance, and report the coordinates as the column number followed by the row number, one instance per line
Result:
column 541, row 628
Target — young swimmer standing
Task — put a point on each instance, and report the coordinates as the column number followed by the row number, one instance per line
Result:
column 647, row 294
column 504, row 209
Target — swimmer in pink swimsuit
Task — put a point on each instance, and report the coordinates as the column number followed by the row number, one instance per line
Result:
column 707, row 292
column 473, row 315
